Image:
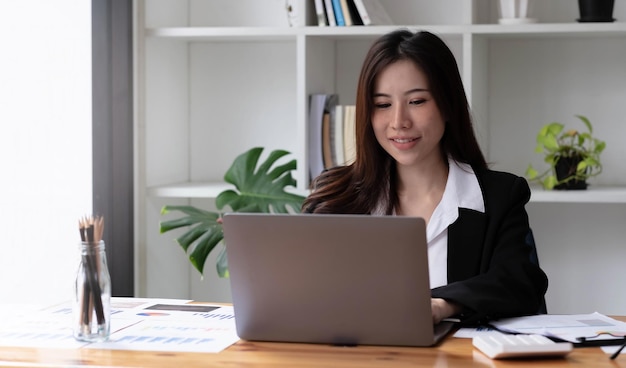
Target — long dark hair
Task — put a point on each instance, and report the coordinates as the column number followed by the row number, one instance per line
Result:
column 370, row 180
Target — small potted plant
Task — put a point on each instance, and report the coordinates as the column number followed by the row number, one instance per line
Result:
column 257, row 189
column 573, row 156
column 596, row 10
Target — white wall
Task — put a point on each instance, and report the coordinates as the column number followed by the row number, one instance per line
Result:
column 581, row 249
column 45, row 145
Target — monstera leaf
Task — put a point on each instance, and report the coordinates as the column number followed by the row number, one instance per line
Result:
column 205, row 231
column 257, row 189
column 262, row 190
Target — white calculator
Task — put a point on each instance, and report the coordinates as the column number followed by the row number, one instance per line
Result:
column 497, row 345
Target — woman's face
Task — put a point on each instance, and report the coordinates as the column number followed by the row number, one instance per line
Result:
column 405, row 117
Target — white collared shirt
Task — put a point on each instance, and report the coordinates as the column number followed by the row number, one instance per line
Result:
column 462, row 191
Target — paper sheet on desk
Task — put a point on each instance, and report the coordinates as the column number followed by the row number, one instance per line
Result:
column 471, row 332
column 175, row 330
column 568, row 327
column 44, row 328
column 136, row 323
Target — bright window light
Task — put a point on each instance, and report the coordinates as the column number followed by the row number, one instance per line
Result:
column 45, row 145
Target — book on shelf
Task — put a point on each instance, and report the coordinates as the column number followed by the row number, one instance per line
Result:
column 372, row 12
column 330, row 109
column 338, row 13
column 345, row 11
column 319, row 105
column 349, row 134
column 327, row 142
column 354, row 13
column 334, row 143
column 330, row 13
column 321, row 13
column 293, row 13
column 336, row 132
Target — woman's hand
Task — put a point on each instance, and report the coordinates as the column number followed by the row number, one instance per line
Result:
column 443, row 309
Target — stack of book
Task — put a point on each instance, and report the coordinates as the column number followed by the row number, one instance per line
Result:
column 351, row 13
column 331, row 133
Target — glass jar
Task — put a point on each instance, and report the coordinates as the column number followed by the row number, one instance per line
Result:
column 92, row 294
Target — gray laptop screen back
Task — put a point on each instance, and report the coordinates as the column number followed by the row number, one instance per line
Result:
column 337, row 279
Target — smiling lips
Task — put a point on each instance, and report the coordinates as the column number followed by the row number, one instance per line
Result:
column 404, row 143
column 403, row 140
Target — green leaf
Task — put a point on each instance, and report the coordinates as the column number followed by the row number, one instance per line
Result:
column 262, row 188
column 203, row 234
column 600, row 146
column 194, row 216
column 551, row 159
column 550, row 143
column 552, row 129
column 206, row 243
column 549, row 182
column 586, row 122
column 222, row 264
column 531, row 173
column 259, row 188
column 193, row 234
column 555, row 144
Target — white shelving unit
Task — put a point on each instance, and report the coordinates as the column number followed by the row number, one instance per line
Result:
column 217, row 77
column 610, row 195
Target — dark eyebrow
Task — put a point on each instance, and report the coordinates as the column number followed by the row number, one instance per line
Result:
column 378, row 94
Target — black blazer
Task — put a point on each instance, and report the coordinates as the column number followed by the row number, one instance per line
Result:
column 490, row 272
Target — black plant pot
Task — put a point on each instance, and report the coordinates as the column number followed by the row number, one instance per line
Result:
column 596, row 10
column 566, row 166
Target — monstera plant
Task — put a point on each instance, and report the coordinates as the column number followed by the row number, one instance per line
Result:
column 258, row 188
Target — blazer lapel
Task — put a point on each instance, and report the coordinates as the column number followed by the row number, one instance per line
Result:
column 465, row 243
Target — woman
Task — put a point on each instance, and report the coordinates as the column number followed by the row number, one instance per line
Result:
column 417, row 155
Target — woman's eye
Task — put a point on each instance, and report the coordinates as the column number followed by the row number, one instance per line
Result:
column 381, row 105
column 417, row 102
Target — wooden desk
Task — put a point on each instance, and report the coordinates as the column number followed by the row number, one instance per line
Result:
column 453, row 352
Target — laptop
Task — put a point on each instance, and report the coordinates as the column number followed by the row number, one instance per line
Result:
column 330, row 279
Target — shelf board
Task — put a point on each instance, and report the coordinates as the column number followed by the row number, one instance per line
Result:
column 189, row 190
column 593, row 194
column 198, row 190
column 549, row 29
column 542, row 30
column 221, row 34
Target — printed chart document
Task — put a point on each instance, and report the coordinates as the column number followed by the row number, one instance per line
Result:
column 38, row 327
column 170, row 325
column 201, row 328
column 575, row 328
column 471, row 332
